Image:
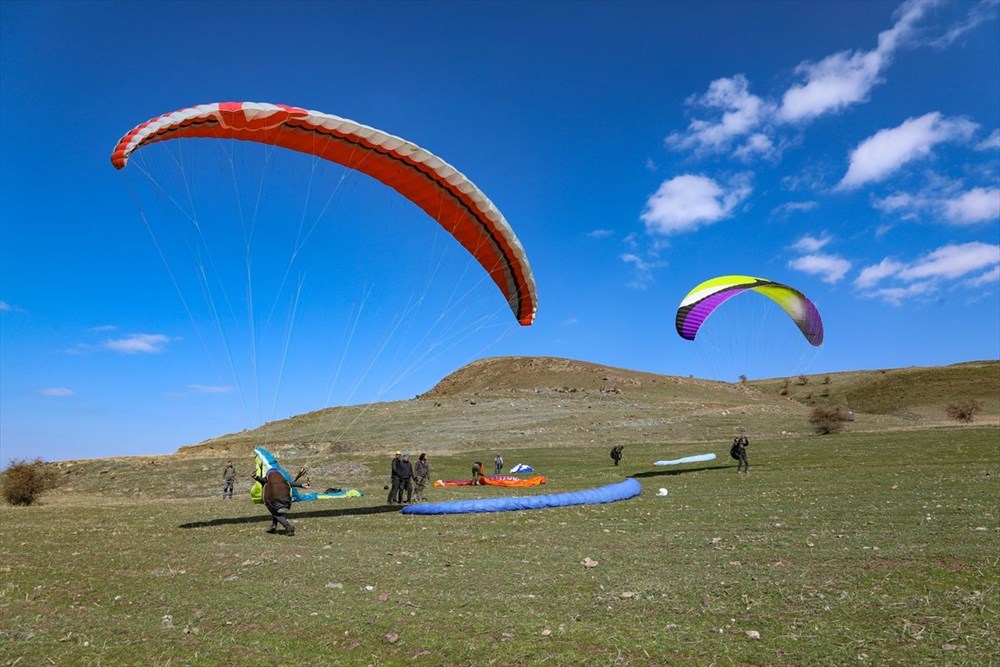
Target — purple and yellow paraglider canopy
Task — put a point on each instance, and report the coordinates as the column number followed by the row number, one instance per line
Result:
column 704, row 299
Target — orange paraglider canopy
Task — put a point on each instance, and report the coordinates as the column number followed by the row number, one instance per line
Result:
column 444, row 193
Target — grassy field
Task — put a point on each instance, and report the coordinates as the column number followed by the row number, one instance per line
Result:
column 859, row 548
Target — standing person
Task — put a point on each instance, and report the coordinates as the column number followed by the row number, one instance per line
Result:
column 394, row 489
column 277, row 495
column 739, row 452
column 228, row 480
column 405, row 469
column 477, row 473
column 617, row 453
column 421, row 471
column 497, row 464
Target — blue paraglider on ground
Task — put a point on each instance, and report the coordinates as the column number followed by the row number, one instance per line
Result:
column 687, row 459
column 604, row 494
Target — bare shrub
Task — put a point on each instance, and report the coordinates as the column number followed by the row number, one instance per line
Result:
column 23, row 481
column 784, row 387
column 803, row 380
column 826, row 379
column 963, row 410
column 828, row 418
column 743, row 379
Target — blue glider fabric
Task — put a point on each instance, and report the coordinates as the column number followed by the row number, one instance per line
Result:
column 687, row 459
column 265, row 461
column 604, row 494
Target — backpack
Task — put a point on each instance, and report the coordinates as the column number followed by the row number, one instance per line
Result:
column 733, row 451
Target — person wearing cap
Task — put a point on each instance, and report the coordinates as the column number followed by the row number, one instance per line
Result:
column 405, row 471
column 497, row 464
column 394, row 489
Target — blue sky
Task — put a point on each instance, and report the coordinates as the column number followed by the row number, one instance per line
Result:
column 850, row 149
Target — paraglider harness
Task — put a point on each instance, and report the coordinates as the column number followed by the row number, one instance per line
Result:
column 616, row 453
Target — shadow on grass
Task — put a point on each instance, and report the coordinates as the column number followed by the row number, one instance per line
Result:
column 664, row 473
column 264, row 516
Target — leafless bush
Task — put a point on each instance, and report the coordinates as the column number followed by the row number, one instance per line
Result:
column 784, row 387
column 23, row 481
column 803, row 380
column 963, row 410
column 827, row 418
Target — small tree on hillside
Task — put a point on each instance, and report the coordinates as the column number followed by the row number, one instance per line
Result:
column 828, row 418
column 24, row 481
column 963, row 410
column 784, row 387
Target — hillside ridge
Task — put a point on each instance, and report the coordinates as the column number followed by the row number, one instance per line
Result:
column 518, row 401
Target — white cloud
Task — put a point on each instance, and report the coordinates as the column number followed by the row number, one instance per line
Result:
column 925, row 275
column 983, row 11
column 990, row 143
column 211, row 389
column 944, row 201
column 687, row 202
column 643, row 269
column 904, row 204
column 870, row 275
column 600, row 233
column 103, row 328
column 4, row 306
column 138, row 343
column 791, row 207
column 56, row 392
column 991, row 277
column 741, row 113
column 810, row 243
column 757, row 144
column 846, row 78
column 831, row 85
column 953, row 261
column 829, row 268
column 976, row 205
column 888, row 150
column 895, row 295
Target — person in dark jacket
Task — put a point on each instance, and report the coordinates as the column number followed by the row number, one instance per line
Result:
column 740, row 445
column 394, row 488
column 616, row 454
column 405, row 470
column 277, row 495
column 421, row 471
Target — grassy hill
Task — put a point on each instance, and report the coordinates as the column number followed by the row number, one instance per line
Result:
column 916, row 394
column 834, row 550
column 516, row 402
